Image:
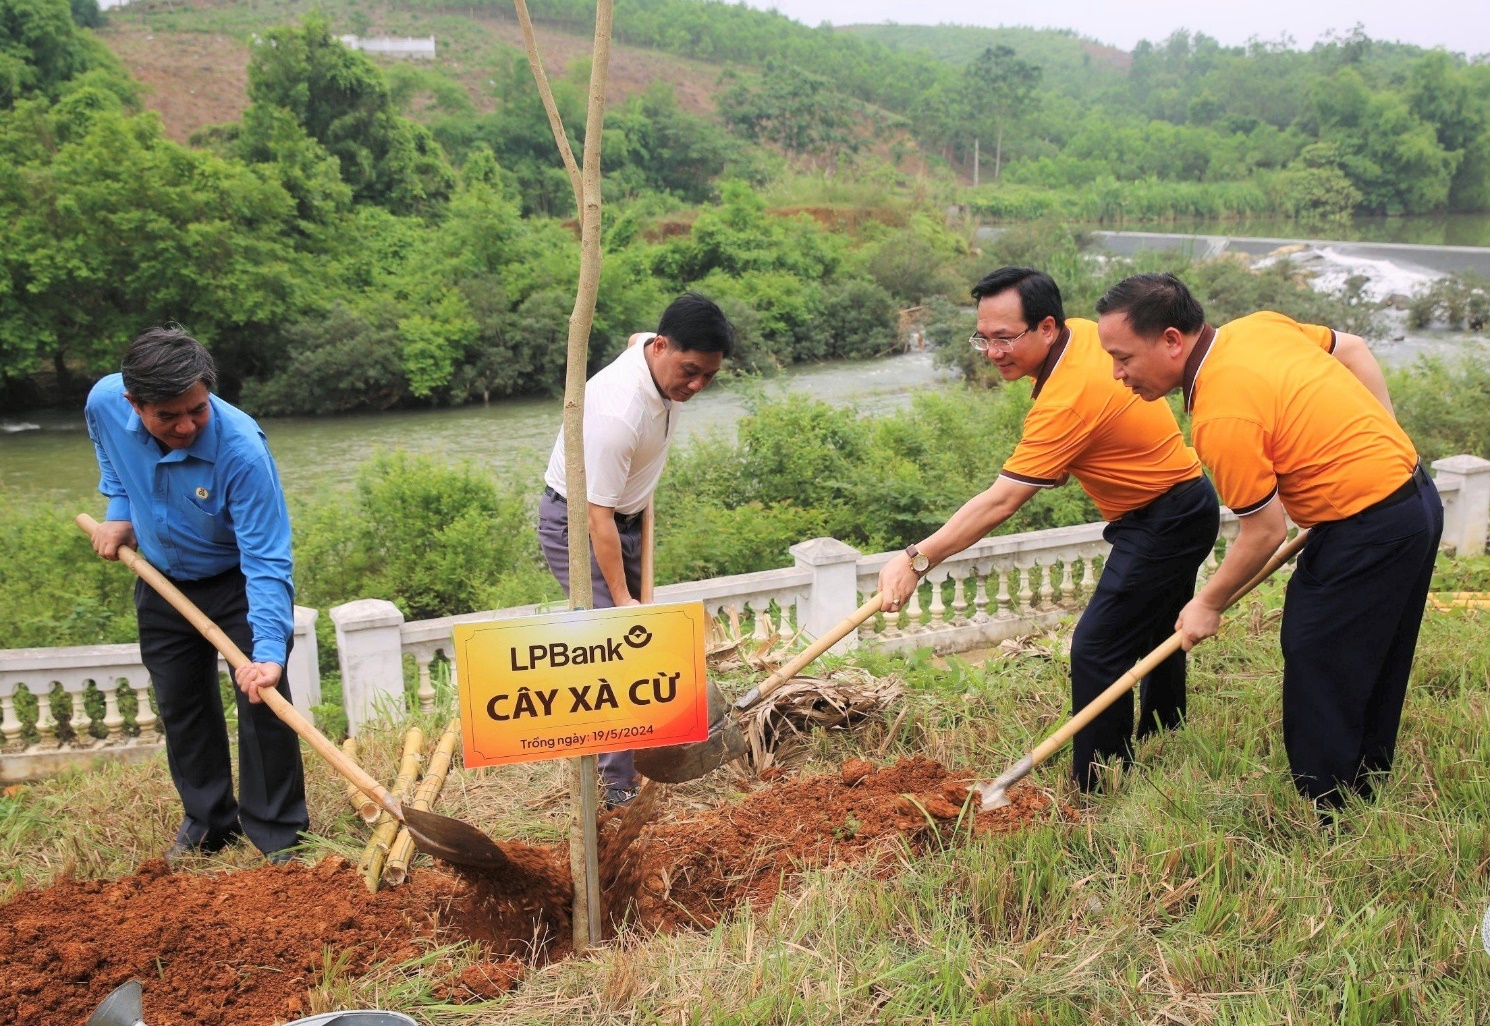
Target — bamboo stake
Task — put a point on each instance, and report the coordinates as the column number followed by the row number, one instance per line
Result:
column 397, row 869
column 365, row 806
column 376, row 852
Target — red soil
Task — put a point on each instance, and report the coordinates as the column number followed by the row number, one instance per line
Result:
column 247, row 948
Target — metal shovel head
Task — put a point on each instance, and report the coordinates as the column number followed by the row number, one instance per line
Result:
column 453, row 841
column 675, row 764
column 357, row 1017
column 121, row 1008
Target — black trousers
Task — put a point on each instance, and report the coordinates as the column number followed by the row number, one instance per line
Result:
column 270, row 808
column 1147, row 579
column 1350, row 628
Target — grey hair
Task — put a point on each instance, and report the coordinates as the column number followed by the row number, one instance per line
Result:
column 163, row 363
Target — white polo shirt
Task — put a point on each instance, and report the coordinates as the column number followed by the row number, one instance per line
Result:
column 628, row 426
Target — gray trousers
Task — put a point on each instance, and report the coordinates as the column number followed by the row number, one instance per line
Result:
column 616, row 768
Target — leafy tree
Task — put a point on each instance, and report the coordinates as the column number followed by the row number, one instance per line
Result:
column 1001, row 88
column 798, row 111
column 341, row 100
column 42, row 48
column 109, row 226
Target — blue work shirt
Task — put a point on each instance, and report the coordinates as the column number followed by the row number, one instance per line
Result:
column 201, row 511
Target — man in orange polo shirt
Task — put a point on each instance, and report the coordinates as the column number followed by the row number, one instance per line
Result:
column 1147, row 483
column 1295, row 419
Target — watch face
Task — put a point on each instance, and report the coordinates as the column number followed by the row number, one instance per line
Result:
column 920, row 564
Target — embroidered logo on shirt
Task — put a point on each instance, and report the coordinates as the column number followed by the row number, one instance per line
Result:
column 202, row 493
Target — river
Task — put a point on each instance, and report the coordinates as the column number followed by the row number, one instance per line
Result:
column 53, row 462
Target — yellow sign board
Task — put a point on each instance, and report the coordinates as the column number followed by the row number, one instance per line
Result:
column 573, row 683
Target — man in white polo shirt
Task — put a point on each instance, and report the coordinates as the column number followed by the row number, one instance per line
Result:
column 629, row 422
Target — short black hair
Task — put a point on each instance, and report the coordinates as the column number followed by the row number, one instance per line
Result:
column 1039, row 295
column 163, row 363
column 695, row 322
column 1154, row 302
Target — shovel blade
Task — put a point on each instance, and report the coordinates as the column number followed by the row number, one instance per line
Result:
column 676, row 764
column 121, row 1008
column 453, row 841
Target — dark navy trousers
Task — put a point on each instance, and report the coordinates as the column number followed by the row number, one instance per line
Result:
column 1350, row 627
column 270, row 807
column 1148, row 577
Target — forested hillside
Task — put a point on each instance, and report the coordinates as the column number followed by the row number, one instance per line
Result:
column 362, row 234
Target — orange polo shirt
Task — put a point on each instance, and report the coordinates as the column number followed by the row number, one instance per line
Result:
column 1275, row 415
column 1124, row 452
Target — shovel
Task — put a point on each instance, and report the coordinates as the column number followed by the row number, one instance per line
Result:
column 674, row 764
column 441, row 836
column 994, row 793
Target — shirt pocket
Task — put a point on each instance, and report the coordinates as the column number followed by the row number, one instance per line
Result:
column 211, row 526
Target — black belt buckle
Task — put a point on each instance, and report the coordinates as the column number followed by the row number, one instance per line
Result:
column 548, row 490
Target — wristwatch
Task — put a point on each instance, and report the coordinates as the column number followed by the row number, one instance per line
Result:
column 919, row 563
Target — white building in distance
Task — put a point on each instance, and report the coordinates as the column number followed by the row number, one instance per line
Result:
column 387, row 46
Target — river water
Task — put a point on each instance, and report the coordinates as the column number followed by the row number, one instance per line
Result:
column 46, row 457
column 54, row 460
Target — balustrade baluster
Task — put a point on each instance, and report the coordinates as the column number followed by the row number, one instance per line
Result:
column 762, row 632
column 78, row 719
column 938, row 606
column 426, row 693
column 10, row 724
column 1004, row 598
column 1088, row 576
column 1026, row 589
column 959, row 599
column 1046, row 573
column 980, row 601
column 913, row 613
column 1068, row 583
column 145, row 718
column 784, row 629
column 113, row 719
column 46, row 723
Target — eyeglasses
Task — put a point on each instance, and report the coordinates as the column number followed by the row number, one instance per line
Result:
column 982, row 344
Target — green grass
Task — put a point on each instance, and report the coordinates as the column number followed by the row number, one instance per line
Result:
column 1199, row 889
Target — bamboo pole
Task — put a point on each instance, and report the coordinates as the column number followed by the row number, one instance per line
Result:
column 365, row 806
column 584, row 793
column 396, row 871
column 376, row 852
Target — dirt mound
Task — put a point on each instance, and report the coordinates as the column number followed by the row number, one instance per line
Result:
column 245, row 948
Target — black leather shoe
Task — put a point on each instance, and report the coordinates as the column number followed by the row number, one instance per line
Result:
column 283, row 857
column 181, row 848
column 619, row 797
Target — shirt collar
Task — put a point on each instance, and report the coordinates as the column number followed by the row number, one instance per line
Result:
column 1195, row 361
column 204, row 448
column 1053, row 357
column 656, row 404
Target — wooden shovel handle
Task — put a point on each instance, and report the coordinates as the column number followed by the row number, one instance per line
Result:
column 649, row 551
column 1148, row 663
column 811, row 652
column 235, row 657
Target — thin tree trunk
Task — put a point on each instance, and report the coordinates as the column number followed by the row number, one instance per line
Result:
column 584, row 796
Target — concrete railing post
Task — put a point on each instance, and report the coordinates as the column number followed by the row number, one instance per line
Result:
column 369, row 649
column 834, row 593
column 305, row 663
column 1466, row 516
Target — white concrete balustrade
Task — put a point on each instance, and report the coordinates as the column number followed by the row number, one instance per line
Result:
column 56, row 732
column 999, row 588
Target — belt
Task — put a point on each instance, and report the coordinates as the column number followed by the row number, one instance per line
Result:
column 1402, row 494
column 1173, row 492
column 624, row 519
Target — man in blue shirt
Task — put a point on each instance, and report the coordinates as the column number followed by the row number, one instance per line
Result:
column 192, row 486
